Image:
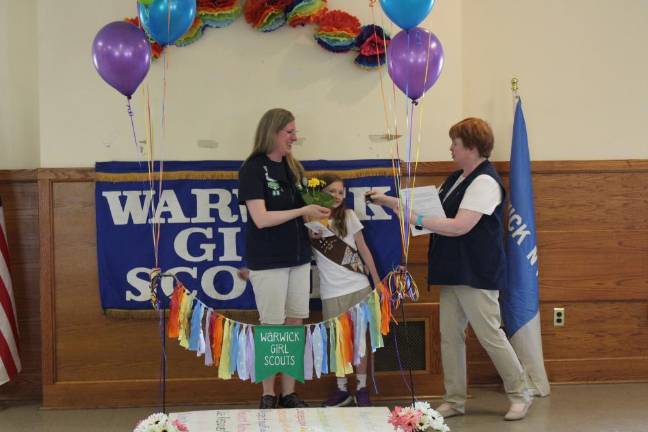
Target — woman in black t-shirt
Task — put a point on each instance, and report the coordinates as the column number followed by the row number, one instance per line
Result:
column 277, row 248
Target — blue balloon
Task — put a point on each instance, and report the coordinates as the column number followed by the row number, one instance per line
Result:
column 163, row 28
column 407, row 14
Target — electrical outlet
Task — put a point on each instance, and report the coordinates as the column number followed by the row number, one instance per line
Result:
column 559, row 317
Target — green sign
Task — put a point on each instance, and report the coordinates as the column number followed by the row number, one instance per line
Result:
column 279, row 349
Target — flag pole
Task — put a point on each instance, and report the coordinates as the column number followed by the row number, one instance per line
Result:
column 520, row 301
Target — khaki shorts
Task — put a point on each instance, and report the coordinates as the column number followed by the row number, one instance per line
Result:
column 335, row 306
column 281, row 293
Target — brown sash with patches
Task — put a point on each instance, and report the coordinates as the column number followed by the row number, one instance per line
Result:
column 335, row 249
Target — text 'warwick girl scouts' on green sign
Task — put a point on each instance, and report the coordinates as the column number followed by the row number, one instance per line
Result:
column 279, row 349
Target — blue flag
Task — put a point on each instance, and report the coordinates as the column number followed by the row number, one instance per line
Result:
column 519, row 302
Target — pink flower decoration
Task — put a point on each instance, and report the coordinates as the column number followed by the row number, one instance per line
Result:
column 180, row 426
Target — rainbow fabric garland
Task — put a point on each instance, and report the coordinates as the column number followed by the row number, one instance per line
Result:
column 228, row 345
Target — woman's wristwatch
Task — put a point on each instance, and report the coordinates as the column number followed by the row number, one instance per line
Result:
column 419, row 222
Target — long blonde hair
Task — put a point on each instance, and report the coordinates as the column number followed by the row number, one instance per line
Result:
column 338, row 214
column 271, row 123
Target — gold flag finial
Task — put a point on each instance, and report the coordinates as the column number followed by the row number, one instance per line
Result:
column 514, row 84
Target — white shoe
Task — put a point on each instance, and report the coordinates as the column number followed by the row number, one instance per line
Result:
column 517, row 411
column 446, row 410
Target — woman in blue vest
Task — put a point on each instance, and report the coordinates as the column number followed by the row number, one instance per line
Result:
column 277, row 247
column 466, row 257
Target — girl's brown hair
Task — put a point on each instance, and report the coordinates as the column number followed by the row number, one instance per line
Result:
column 338, row 215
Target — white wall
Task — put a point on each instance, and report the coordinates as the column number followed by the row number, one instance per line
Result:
column 19, row 145
column 583, row 71
column 220, row 86
column 582, row 68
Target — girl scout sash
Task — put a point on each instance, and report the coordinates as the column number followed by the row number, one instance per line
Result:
column 338, row 251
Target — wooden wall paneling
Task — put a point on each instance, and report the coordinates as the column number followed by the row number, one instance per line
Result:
column 596, row 330
column 592, row 331
column 101, row 361
column 572, row 371
column 428, row 383
column 593, row 265
column 593, row 254
column 19, row 193
column 46, row 180
column 593, row 258
column 590, row 202
column 48, row 316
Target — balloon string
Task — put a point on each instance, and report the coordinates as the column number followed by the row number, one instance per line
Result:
column 411, row 185
column 380, row 73
column 168, row 19
column 396, row 159
column 401, row 285
column 388, row 108
column 164, row 90
column 138, row 149
column 409, row 354
column 398, row 181
column 400, row 363
column 158, row 225
column 151, row 169
column 409, row 198
column 404, row 206
column 392, row 103
column 420, row 116
column 157, row 234
column 401, row 208
column 163, row 354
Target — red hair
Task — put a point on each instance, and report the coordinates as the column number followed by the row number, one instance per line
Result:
column 474, row 133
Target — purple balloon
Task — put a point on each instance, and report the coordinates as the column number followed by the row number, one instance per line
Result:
column 414, row 61
column 122, row 56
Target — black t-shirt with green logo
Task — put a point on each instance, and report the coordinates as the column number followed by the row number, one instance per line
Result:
column 284, row 245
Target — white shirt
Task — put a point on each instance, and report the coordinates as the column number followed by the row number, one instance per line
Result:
column 483, row 195
column 336, row 280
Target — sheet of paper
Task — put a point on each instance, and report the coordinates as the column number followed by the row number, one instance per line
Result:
column 372, row 419
column 319, row 227
column 423, row 201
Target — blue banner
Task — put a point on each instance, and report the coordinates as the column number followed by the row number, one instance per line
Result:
column 201, row 238
column 519, row 302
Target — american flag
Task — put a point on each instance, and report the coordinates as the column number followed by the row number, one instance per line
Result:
column 9, row 359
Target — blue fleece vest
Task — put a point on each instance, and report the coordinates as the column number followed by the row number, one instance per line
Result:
column 476, row 259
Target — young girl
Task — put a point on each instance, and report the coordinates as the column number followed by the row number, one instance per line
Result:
column 343, row 280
